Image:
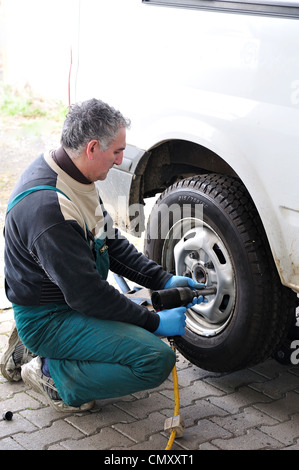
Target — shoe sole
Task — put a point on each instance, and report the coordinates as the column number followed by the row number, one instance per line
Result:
column 57, row 405
column 10, row 347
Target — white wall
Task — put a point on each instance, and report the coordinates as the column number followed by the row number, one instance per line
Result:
column 36, row 44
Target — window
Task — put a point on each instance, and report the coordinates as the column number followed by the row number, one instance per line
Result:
column 288, row 8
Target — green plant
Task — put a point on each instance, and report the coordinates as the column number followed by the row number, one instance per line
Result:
column 25, row 104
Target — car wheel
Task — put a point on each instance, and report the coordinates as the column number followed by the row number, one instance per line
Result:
column 207, row 228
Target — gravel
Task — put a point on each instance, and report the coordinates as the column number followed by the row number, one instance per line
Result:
column 21, row 141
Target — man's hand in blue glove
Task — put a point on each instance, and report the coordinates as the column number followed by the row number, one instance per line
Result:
column 172, row 322
column 196, row 301
column 182, row 281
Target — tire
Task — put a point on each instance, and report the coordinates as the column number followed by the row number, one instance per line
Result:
column 207, row 228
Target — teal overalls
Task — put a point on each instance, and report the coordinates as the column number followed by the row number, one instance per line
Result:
column 90, row 358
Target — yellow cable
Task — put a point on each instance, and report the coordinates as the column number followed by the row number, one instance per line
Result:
column 176, row 392
column 176, row 399
column 171, row 440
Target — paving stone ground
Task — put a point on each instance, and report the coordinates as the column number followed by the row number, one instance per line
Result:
column 253, row 409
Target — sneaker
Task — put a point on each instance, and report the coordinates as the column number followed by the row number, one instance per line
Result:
column 33, row 376
column 15, row 354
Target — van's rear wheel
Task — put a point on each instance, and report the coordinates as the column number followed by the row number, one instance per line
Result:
column 208, row 228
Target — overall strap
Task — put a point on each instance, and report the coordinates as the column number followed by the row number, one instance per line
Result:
column 21, row 196
column 101, row 254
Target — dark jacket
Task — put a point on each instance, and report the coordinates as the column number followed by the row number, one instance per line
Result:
column 48, row 259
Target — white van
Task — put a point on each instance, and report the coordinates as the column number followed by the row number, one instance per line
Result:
column 212, row 91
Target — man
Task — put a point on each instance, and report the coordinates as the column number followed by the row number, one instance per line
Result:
column 90, row 341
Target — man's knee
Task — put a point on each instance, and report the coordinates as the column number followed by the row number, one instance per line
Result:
column 163, row 365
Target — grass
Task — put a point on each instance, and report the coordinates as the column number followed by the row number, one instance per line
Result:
column 27, row 122
column 15, row 103
column 26, row 107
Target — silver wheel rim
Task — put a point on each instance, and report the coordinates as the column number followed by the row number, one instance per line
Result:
column 195, row 250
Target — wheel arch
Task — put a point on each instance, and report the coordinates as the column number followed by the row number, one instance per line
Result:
column 173, row 160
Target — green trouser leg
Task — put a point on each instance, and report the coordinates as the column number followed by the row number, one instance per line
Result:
column 90, row 358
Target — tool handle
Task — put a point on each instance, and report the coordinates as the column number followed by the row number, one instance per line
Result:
column 206, row 291
column 178, row 296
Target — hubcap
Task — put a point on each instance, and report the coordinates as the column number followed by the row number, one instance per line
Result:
column 200, row 254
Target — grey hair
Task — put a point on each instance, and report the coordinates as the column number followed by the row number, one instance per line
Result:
column 91, row 120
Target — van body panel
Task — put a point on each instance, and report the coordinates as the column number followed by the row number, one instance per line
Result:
column 226, row 81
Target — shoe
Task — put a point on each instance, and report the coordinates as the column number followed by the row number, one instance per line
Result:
column 14, row 356
column 33, row 376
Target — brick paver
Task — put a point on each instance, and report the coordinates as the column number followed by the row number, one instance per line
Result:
column 252, row 409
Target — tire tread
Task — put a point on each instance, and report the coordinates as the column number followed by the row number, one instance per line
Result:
column 276, row 303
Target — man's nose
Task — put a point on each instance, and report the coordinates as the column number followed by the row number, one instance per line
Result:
column 119, row 159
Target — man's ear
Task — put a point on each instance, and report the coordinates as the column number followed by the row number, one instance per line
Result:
column 90, row 149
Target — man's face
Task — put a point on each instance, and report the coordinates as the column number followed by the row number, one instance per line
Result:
column 100, row 162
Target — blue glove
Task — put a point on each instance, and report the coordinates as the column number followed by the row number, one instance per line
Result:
column 182, row 281
column 172, row 322
column 196, row 301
